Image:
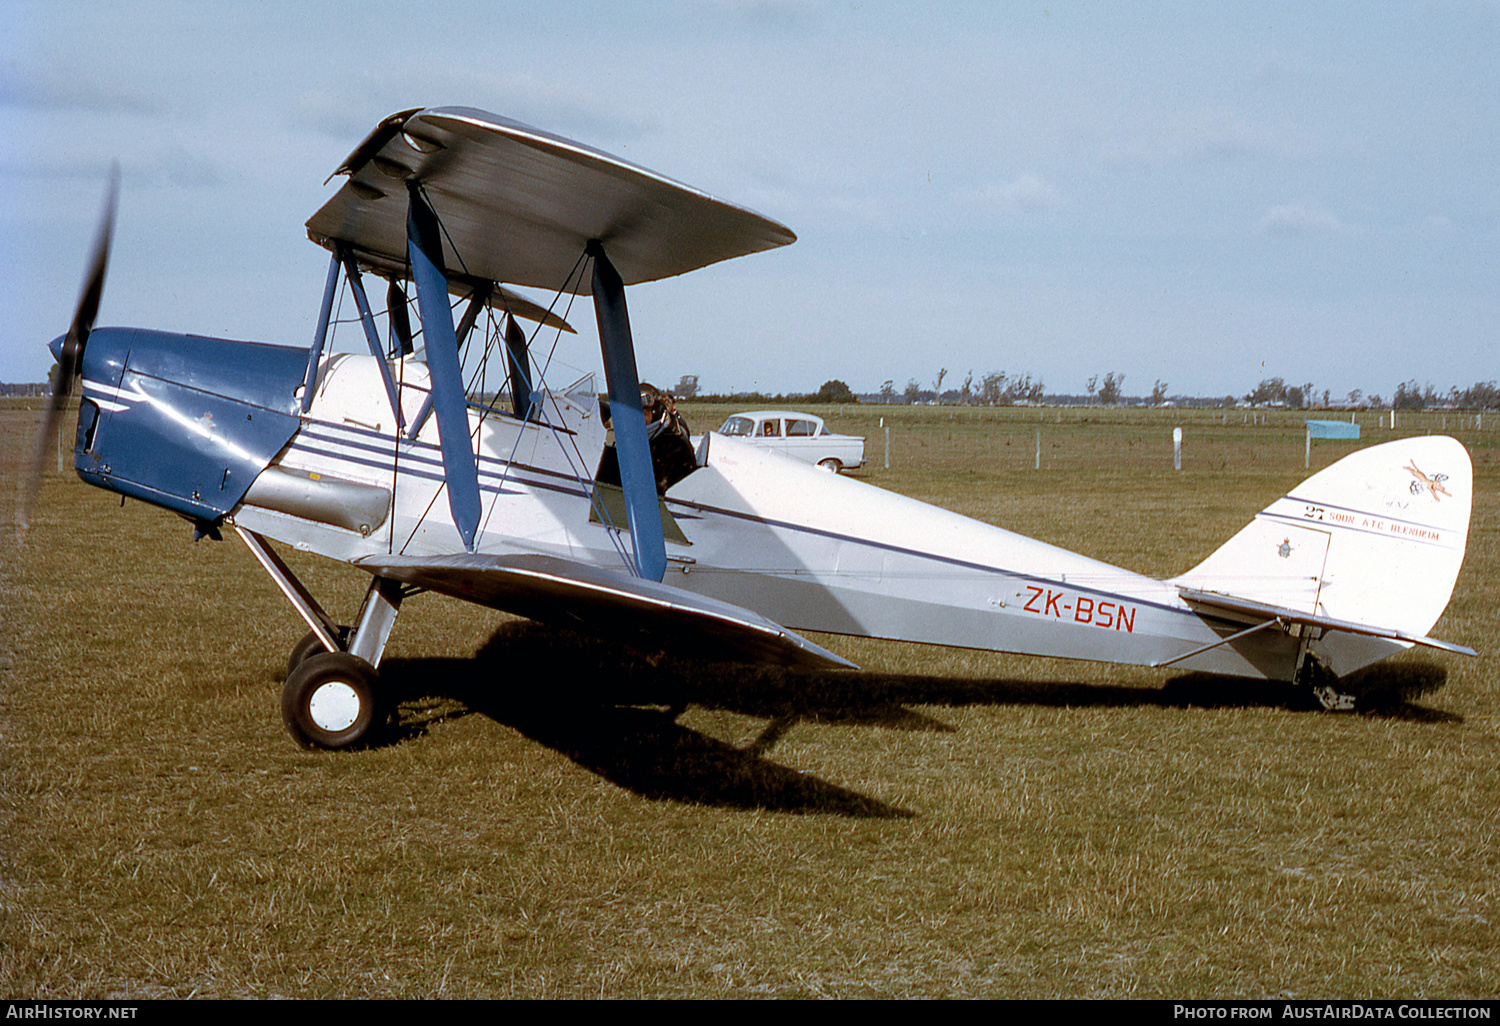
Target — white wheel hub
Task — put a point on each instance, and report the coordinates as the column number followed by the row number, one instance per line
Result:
column 333, row 706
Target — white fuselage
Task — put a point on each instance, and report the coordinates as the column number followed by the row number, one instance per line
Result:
column 810, row 550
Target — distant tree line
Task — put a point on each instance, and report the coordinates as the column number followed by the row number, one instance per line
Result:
column 998, row 388
column 1409, row 395
column 832, row 391
column 1482, row 395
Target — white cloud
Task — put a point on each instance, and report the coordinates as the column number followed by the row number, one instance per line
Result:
column 1270, row 63
column 1028, row 191
column 1295, row 219
column 1205, row 135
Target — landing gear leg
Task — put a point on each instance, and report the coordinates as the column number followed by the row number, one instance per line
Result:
column 307, row 607
column 376, row 618
column 334, row 699
column 332, row 695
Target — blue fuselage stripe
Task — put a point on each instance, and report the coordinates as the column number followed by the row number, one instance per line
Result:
column 508, row 473
column 492, row 482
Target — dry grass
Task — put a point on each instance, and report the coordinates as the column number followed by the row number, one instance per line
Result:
column 945, row 823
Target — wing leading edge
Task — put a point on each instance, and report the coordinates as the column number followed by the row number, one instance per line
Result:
column 639, row 611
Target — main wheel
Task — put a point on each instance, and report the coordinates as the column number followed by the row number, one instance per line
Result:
column 310, row 646
column 330, row 701
column 831, row 464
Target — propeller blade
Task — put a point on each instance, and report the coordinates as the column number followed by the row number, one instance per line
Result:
column 70, row 353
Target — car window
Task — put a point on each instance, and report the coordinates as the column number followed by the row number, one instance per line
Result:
column 738, row 426
column 800, row 428
column 771, row 429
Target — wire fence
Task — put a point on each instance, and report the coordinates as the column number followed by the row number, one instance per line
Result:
column 960, row 438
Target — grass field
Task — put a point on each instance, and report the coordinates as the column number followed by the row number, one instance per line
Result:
column 943, row 823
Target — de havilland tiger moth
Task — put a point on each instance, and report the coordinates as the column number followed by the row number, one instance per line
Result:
column 724, row 549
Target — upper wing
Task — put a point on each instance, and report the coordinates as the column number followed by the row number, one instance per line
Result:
column 519, row 204
column 579, row 596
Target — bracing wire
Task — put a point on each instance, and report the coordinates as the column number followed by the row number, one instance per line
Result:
column 492, row 332
column 400, row 422
column 579, row 468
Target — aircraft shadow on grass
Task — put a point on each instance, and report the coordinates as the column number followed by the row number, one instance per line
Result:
column 615, row 712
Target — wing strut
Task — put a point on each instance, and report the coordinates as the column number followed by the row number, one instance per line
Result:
column 315, row 353
column 477, row 300
column 1215, row 644
column 400, row 323
column 372, row 337
column 629, row 420
column 520, row 367
column 425, row 246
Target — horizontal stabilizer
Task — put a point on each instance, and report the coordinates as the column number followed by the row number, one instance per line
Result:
column 1251, row 610
column 642, row 612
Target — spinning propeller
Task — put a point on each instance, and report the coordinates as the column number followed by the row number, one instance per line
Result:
column 70, row 352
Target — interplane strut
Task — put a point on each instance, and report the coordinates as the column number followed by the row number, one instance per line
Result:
column 634, row 450
column 425, row 246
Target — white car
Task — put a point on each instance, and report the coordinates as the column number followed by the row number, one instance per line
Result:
column 800, row 435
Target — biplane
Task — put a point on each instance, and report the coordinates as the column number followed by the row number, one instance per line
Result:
column 551, row 503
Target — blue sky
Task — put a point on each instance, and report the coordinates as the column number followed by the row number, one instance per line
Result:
column 1205, row 194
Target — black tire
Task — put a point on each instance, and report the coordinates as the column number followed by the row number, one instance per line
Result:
column 331, row 701
column 831, row 463
column 309, row 646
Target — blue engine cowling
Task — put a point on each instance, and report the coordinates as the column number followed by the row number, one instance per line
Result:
column 182, row 421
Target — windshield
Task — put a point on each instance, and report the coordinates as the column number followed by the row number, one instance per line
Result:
column 738, row 426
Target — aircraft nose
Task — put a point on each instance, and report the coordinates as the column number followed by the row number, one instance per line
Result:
column 56, row 347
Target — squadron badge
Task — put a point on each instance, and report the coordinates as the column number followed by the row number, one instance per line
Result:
column 1432, row 485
